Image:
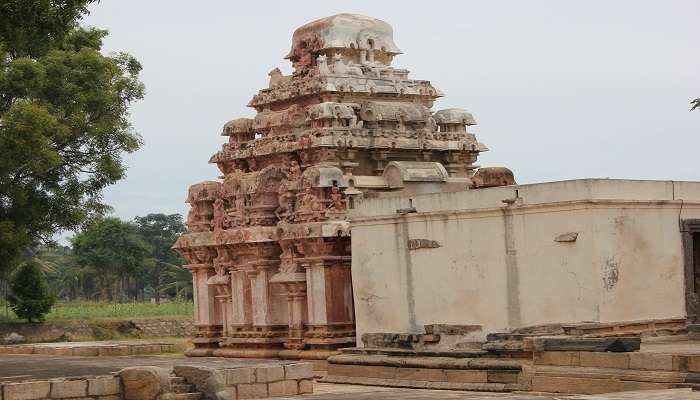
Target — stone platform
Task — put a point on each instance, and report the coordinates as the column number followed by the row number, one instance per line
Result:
column 528, row 362
column 103, row 348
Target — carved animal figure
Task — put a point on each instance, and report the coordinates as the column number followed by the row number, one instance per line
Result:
column 277, row 79
column 340, row 68
column 492, row 176
column 322, row 62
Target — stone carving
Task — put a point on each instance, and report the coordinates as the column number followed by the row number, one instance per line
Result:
column 321, row 138
column 277, row 78
column 341, row 69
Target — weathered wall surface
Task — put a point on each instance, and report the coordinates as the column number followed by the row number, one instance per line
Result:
column 500, row 266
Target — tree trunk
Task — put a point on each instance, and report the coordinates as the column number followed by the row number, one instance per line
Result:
column 157, row 293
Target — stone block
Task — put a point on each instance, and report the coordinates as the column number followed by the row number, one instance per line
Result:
column 109, row 397
column 692, row 363
column 303, row 370
column 604, row 360
column 144, row 383
column 114, row 351
column 466, row 375
column 26, row 390
column 558, row 384
column 362, row 370
column 62, row 389
column 283, row 388
column 651, row 361
column 267, row 374
column 85, row 351
column 562, row 358
column 613, row 344
column 252, row 390
column 632, row 386
column 306, row 386
column 54, row 351
column 103, row 386
column 228, row 393
column 499, row 376
column 239, row 375
column 421, row 374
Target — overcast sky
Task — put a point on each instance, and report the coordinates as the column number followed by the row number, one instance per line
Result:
column 560, row 89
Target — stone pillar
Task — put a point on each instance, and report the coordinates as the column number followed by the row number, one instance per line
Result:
column 259, row 277
column 330, row 304
column 206, row 318
column 241, row 302
column 225, row 305
column 297, row 313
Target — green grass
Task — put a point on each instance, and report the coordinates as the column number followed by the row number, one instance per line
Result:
column 90, row 310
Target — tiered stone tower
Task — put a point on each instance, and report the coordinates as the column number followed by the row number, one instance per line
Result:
column 269, row 244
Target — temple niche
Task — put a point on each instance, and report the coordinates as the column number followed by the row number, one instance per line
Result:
column 268, row 245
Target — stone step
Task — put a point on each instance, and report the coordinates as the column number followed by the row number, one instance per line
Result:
column 595, row 380
column 417, row 384
column 174, row 380
column 425, row 362
column 186, row 396
column 469, row 353
column 182, row 387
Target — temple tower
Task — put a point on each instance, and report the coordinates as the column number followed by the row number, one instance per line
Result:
column 269, row 244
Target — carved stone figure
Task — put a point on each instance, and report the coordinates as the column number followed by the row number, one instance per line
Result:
column 219, row 214
column 322, row 63
column 341, row 69
column 336, row 198
column 277, row 78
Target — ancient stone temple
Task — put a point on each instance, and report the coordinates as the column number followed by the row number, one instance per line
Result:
column 268, row 244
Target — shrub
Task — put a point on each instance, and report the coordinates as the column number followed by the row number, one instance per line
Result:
column 30, row 297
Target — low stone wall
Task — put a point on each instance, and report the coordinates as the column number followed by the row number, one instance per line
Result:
column 249, row 382
column 49, row 331
column 94, row 349
column 74, row 331
column 154, row 383
column 164, row 327
column 84, row 388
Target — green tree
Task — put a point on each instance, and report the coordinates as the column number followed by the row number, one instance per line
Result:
column 115, row 250
column 63, row 122
column 30, row 297
column 161, row 231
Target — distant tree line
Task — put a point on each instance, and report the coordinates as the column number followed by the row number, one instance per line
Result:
column 109, row 260
column 119, row 261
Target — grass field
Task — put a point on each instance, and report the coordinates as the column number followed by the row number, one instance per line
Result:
column 88, row 310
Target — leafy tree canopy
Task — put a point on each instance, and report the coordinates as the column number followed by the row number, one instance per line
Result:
column 30, row 298
column 63, row 121
column 161, row 231
column 111, row 246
